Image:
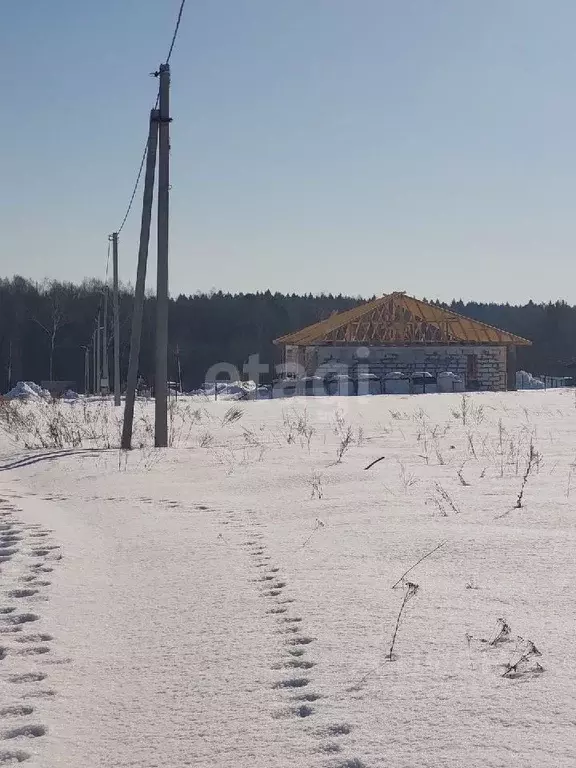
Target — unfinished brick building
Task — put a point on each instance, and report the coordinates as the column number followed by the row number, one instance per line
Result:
column 400, row 333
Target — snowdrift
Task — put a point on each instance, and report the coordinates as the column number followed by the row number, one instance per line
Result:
column 525, row 380
column 227, row 390
column 25, row 390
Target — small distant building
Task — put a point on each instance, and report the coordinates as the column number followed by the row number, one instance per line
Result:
column 400, row 333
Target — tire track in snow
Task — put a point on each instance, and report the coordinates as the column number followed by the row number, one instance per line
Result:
column 26, row 555
column 297, row 668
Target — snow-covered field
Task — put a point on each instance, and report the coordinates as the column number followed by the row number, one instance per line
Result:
column 228, row 602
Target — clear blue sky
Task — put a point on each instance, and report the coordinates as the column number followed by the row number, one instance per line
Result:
column 357, row 146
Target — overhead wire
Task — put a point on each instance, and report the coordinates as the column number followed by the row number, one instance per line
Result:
column 176, row 30
column 107, row 263
column 134, row 191
column 145, row 152
column 142, row 161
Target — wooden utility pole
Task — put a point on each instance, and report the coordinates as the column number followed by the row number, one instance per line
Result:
column 117, row 387
column 138, row 311
column 161, row 383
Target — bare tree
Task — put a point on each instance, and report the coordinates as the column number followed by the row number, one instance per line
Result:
column 53, row 325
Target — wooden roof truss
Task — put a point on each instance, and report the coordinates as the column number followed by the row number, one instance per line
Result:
column 399, row 320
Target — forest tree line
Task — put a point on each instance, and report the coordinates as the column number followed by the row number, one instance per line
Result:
column 45, row 329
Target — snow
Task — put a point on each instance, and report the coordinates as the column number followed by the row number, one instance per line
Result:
column 227, row 390
column 525, row 380
column 26, row 389
column 175, row 586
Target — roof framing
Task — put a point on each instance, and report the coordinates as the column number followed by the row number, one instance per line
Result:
column 398, row 320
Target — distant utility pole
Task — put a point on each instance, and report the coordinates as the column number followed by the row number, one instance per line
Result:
column 105, row 368
column 117, row 387
column 179, row 368
column 99, row 354
column 161, row 383
column 86, row 369
column 139, row 292
column 94, row 361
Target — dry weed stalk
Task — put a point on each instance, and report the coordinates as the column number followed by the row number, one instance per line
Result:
column 56, row 424
column 461, row 477
column 408, row 479
column 317, row 525
column 347, row 439
column 532, row 462
column 526, row 663
column 233, row 414
column 439, row 456
column 296, row 424
column 410, row 591
column 569, row 483
column 431, row 552
column 316, row 483
column 445, row 497
column 205, row 439
column 501, row 433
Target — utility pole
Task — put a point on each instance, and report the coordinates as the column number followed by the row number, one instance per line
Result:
column 98, row 390
column 138, row 311
column 94, row 362
column 10, row 364
column 179, row 368
column 105, row 367
column 117, row 388
column 86, row 369
column 161, row 383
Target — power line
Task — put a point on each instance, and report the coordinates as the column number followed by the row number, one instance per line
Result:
column 143, row 160
column 174, row 37
column 134, row 191
column 107, row 263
